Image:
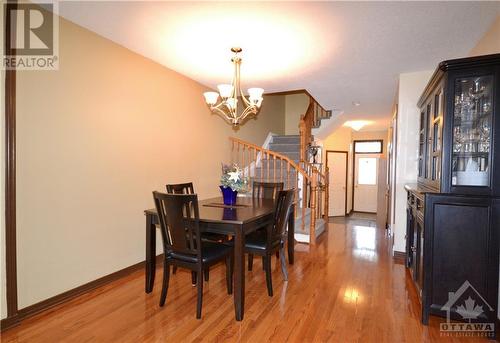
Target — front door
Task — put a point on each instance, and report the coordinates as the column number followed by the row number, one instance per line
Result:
column 366, row 183
column 337, row 172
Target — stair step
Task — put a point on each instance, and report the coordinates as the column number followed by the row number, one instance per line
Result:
column 295, row 156
column 286, row 139
column 273, row 173
column 304, row 236
column 275, row 163
column 284, row 147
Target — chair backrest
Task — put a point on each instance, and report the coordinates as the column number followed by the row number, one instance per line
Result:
column 179, row 222
column 180, row 188
column 284, row 202
column 266, row 190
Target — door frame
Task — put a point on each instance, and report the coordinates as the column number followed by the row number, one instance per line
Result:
column 362, row 153
column 346, row 173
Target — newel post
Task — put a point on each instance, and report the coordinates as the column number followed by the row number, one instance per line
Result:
column 302, row 132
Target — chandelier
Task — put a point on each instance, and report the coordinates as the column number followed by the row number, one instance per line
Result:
column 230, row 95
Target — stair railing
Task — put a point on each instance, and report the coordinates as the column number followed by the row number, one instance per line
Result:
column 319, row 201
column 314, row 185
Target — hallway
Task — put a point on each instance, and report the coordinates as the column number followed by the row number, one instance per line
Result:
column 346, row 289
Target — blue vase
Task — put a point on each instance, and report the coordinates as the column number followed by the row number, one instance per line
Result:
column 228, row 195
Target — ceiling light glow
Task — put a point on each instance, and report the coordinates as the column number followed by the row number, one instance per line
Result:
column 357, row 124
column 274, row 44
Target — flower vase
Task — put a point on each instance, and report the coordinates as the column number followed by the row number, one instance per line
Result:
column 228, row 195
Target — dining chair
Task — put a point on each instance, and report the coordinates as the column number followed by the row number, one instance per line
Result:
column 182, row 243
column 188, row 188
column 266, row 242
column 264, row 190
column 180, row 188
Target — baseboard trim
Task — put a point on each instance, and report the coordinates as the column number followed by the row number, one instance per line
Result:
column 62, row 298
column 9, row 322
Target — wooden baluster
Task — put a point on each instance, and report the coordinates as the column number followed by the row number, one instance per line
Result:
column 249, row 158
column 304, row 191
column 319, row 202
column 304, row 201
column 274, row 168
column 282, row 179
column 296, row 186
column 288, row 175
column 268, row 166
column 238, row 160
column 302, row 131
column 314, row 185
column 255, row 161
column 261, row 165
column 232, row 151
column 244, row 160
column 327, row 192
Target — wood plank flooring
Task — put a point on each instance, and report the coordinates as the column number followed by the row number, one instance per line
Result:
column 346, row 289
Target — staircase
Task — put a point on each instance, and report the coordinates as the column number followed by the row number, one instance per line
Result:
column 289, row 146
column 278, row 166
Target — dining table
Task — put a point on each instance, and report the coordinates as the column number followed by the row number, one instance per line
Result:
column 238, row 220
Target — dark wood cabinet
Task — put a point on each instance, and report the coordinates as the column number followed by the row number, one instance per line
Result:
column 453, row 212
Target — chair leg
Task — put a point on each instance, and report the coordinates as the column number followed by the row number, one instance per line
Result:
column 278, row 254
column 267, row 263
column 283, row 264
column 263, row 263
column 174, row 269
column 207, row 274
column 250, row 262
column 166, row 278
column 229, row 274
column 199, row 284
column 193, row 278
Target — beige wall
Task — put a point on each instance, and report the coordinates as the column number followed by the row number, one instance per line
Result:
column 295, row 106
column 411, row 86
column 490, row 42
column 94, row 140
column 341, row 140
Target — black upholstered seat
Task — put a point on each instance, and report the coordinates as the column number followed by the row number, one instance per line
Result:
column 258, row 241
column 210, row 253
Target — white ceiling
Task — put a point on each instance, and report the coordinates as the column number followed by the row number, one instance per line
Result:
column 341, row 52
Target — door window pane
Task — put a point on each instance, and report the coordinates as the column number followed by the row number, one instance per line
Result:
column 367, row 171
column 368, row 147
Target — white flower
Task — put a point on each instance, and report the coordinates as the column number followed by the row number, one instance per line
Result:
column 234, row 176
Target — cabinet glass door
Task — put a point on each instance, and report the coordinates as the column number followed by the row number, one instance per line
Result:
column 472, row 119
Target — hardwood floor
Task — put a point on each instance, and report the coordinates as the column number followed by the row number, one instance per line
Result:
column 346, row 289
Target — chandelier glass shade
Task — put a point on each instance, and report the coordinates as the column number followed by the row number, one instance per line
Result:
column 230, row 102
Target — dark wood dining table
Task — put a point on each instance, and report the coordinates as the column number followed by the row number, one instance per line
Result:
column 246, row 216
